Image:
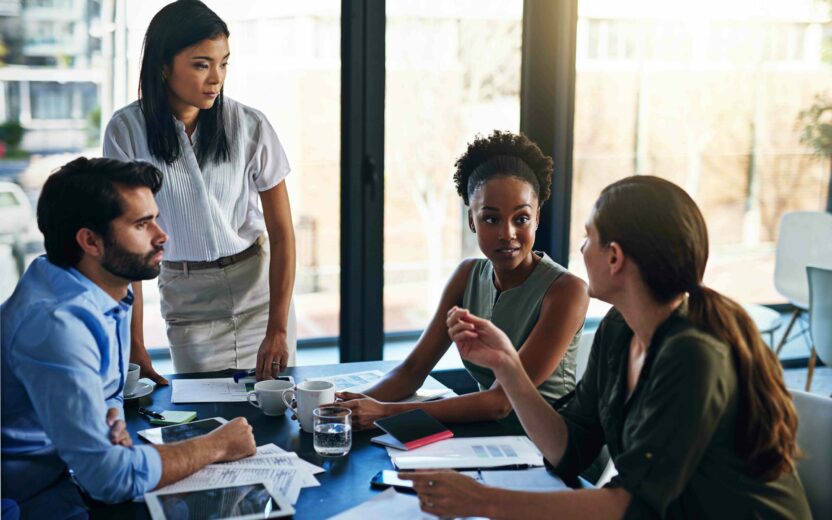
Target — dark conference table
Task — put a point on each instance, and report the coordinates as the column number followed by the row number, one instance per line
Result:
column 346, row 482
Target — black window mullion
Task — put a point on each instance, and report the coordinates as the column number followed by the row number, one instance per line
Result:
column 362, row 179
column 547, row 108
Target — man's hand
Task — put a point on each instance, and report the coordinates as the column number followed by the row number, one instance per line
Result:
column 273, row 356
column 234, row 440
column 139, row 356
column 119, row 435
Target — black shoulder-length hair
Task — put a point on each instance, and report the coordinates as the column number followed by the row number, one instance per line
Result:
column 175, row 27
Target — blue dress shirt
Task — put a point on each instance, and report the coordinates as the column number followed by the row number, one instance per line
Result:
column 65, row 347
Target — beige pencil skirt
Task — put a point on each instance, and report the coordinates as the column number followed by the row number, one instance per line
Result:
column 217, row 317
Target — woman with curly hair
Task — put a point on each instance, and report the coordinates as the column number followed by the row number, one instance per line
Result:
column 679, row 385
column 504, row 179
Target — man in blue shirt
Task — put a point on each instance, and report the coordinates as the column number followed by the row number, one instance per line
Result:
column 65, row 347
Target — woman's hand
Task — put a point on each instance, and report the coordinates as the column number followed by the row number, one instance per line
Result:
column 479, row 340
column 139, row 356
column 365, row 409
column 449, row 494
column 273, row 356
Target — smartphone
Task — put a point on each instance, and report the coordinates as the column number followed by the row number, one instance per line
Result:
column 388, row 478
column 180, row 432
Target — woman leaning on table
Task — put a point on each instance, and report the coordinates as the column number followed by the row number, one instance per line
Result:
column 225, row 291
column 504, row 179
column 679, row 385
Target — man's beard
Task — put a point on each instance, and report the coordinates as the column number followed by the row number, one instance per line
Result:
column 129, row 266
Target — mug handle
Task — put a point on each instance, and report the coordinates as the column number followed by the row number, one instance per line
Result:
column 248, row 398
column 283, row 397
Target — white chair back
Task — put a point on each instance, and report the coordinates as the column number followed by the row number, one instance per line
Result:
column 805, row 238
column 582, row 356
column 814, row 415
column 820, row 313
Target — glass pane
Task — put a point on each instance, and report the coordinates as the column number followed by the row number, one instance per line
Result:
column 708, row 95
column 453, row 70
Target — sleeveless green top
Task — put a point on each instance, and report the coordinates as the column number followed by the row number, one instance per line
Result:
column 515, row 312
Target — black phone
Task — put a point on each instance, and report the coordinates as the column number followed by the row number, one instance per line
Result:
column 388, row 478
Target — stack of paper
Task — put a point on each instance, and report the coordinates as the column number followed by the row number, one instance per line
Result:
column 286, row 472
column 214, row 390
column 515, row 451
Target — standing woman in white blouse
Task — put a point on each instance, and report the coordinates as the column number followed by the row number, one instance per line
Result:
column 226, row 292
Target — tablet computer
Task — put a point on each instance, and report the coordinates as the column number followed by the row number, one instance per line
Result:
column 239, row 501
column 180, row 432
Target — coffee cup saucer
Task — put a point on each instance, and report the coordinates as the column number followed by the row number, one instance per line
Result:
column 142, row 389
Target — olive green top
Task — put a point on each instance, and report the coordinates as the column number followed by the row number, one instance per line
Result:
column 515, row 312
column 672, row 440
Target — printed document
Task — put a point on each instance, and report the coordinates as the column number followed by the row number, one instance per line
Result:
column 283, row 480
column 515, row 451
column 215, row 390
column 285, row 471
column 388, row 504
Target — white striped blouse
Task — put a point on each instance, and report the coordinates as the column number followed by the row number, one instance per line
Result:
column 208, row 211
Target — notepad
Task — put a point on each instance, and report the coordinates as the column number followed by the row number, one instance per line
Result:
column 174, row 417
column 410, row 430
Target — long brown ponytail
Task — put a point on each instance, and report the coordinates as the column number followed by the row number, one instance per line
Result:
column 662, row 230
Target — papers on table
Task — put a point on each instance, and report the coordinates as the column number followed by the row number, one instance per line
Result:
column 214, row 390
column 358, row 382
column 534, row 479
column 387, row 505
column 470, row 452
column 285, row 472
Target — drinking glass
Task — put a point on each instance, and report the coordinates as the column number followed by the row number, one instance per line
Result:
column 332, row 431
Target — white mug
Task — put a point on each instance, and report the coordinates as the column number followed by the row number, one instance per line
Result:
column 309, row 395
column 132, row 379
column 269, row 395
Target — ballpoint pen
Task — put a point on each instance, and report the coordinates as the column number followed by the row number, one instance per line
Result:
column 248, row 373
column 151, row 413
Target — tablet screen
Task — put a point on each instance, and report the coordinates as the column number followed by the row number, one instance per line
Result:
column 180, row 432
column 227, row 502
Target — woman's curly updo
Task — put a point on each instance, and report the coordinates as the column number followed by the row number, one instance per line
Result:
column 503, row 154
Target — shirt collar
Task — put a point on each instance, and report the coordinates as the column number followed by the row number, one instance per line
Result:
column 103, row 301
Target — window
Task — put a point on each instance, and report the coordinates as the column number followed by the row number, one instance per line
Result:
column 719, row 119
column 452, row 71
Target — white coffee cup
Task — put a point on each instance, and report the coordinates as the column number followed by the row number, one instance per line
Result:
column 309, row 395
column 132, row 379
column 269, row 395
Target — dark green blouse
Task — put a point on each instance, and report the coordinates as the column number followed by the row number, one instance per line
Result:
column 672, row 439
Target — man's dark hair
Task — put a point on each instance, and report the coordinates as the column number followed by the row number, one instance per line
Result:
column 84, row 194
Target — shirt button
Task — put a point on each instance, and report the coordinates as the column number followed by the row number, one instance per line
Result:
column 648, row 455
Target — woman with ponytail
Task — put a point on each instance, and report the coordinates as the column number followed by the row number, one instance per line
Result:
column 679, row 385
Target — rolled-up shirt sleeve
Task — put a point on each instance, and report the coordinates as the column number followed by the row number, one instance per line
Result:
column 59, row 368
column 690, row 385
column 268, row 164
column 581, row 415
column 116, row 142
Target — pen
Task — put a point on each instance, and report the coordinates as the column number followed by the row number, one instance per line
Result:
column 243, row 373
column 151, row 413
column 248, row 373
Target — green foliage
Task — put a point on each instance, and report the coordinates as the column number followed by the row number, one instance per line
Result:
column 93, row 126
column 11, row 133
column 816, row 126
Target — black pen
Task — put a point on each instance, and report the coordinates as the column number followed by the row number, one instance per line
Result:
column 151, row 413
